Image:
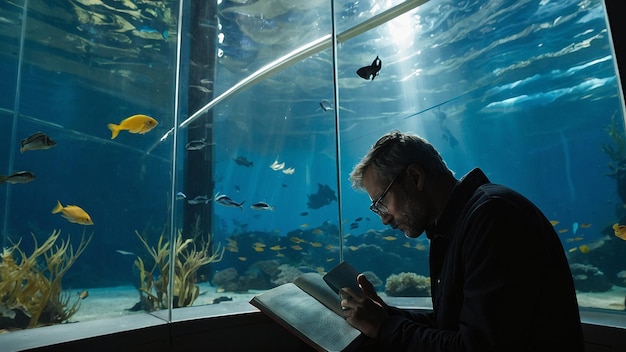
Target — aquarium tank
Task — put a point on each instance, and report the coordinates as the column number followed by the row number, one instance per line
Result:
column 172, row 153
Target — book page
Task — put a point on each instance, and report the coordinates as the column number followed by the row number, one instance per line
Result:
column 306, row 317
column 314, row 285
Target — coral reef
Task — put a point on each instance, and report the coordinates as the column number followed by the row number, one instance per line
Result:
column 373, row 278
column 187, row 260
column 31, row 294
column 407, row 285
column 262, row 275
column 588, row 278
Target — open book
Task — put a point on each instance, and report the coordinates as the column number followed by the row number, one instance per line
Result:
column 310, row 309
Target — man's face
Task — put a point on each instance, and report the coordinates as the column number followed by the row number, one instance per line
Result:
column 402, row 205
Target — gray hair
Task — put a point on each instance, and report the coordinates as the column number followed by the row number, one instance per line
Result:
column 393, row 152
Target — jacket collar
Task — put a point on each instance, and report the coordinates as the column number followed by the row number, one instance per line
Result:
column 463, row 191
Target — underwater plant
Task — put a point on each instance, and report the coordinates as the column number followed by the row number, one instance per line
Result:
column 617, row 165
column 188, row 259
column 30, row 289
column 407, row 285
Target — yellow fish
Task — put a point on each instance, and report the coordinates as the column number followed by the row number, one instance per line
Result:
column 73, row 214
column 620, row 231
column 296, row 247
column 134, row 124
column 420, row 247
column 83, row 294
column 258, row 249
column 317, row 232
column 389, row 238
column 584, row 249
column 562, row 230
column 329, row 247
column 554, row 222
column 296, row 239
column 259, row 244
column 315, row 244
column 276, row 247
column 574, row 239
column 243, row 259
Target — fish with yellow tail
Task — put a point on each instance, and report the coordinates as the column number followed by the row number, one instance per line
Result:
column 73, row 213
column 134, row 124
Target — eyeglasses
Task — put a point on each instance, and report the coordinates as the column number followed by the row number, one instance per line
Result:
column 378, row 206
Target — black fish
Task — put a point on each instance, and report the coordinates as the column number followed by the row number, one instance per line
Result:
column 323, row 197
column 304, row 213
column 371, row 70
column 37, row 141
column 241, row 160
column 261, row 206
column 221, row 299
column 18, row 177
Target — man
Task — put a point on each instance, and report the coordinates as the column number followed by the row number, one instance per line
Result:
column 500, row 280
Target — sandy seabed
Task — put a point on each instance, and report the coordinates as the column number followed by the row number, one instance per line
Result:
column 109, row 302
column 115, row 301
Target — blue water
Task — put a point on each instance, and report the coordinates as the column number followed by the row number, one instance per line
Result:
column 522, row 89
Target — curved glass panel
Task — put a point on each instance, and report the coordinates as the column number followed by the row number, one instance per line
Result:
column 244, row 180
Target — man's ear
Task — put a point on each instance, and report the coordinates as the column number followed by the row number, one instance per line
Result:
column 416, row 175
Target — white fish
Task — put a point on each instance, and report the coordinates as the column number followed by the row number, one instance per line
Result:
column 123, row 252
column 199, row 200
column 289, row 171
column 227, row 202
column 276, row 166
column 198, row 144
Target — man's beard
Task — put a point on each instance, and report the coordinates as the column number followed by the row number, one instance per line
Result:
column 414, row 220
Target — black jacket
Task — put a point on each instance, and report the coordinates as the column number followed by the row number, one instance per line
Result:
column 499, row 277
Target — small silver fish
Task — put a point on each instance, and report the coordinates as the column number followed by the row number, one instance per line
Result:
column 203, row 89
column 123, row 252
column 326, row 105
column 261, row 206
column 37, row 141
column 18, row 177
column 227, row 202
column 199, row 200
column 198, row 144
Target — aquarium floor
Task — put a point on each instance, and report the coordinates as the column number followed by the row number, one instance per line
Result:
column 115, row 301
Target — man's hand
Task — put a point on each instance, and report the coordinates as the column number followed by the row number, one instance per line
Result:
column 365, row 311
